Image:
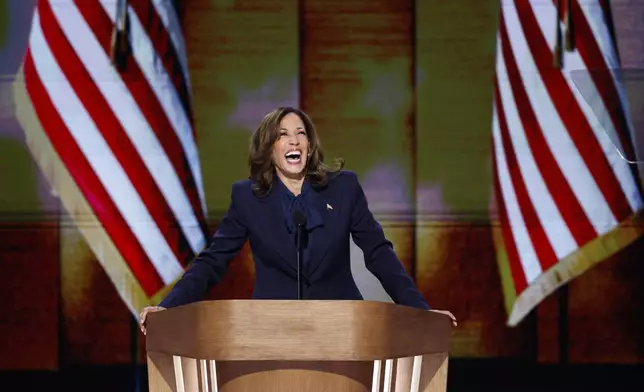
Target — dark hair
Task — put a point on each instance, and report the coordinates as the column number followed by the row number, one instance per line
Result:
column 260, row 157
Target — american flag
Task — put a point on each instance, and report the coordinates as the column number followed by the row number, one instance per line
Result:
column 109, row 122
column 565, row 198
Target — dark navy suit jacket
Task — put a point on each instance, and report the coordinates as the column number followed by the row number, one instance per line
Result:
column 326, row 271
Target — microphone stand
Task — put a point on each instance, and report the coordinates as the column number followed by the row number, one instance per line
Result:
column 300, row 221
column 300, row 230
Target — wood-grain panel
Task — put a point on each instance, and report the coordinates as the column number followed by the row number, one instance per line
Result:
column 352, row 330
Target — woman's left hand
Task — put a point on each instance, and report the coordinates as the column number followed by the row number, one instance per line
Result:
column 447, row 313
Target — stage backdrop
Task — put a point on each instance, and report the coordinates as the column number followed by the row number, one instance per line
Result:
column 404, row 91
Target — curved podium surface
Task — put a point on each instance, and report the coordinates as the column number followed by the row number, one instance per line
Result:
column 262, row 345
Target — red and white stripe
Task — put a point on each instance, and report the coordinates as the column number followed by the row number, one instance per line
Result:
column 126, row 138
column 560, row 181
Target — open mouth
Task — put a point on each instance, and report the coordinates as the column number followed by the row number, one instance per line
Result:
column 294, row 156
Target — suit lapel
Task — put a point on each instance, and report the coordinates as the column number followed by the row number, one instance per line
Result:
column 322, row 235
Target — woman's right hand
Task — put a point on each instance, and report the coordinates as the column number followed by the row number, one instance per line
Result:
column 144, row 313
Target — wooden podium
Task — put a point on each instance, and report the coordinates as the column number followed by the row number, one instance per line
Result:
column 289, row 346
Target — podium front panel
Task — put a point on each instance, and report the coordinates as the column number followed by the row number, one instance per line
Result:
column 426, row 373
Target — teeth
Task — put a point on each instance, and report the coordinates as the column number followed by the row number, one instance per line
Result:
column 293, row 155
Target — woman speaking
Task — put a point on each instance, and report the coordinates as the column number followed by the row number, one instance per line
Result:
column 298, row 214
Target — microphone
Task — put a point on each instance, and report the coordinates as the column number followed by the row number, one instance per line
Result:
column 300, row 222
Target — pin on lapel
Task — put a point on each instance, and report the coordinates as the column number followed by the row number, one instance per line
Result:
column 328, row 207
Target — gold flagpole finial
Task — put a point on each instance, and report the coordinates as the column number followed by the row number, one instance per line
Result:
column 120, row 37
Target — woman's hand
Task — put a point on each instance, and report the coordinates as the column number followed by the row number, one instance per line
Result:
column 447, row 313
column 144, row 313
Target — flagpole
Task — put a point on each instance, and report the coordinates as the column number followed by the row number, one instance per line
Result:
column 120, row 46
column 610, row 24
column 564, row 294
column 135, row 352
column 61, row 314
column 564, row 336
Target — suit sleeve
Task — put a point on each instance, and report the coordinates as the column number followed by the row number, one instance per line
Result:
column 209, row 267
column 379, row 254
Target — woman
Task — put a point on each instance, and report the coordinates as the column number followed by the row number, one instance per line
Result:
column 288, row 174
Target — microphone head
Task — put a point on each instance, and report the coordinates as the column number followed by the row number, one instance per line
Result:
column 299, row 218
